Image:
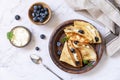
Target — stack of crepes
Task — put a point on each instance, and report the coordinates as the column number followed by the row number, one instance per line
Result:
column 78, row 47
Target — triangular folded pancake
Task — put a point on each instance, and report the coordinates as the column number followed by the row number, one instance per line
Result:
column 88, row 53
column 71, row 31
column 88, row 28
column 66, row 56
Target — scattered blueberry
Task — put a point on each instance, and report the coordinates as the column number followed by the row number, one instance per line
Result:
column 96, row 39
column 17, row 17
column 58, row 44
column 76, row 42
column 72, row 50
column 37, row 48
column 42, row 36
column 59, row 52
column 81, row 31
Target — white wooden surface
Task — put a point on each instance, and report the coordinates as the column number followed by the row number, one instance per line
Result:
column 15, row 63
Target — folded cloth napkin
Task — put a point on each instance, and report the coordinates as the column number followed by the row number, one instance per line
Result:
column 105, row 12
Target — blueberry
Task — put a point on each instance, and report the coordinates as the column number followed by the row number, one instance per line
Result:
column 81, row 31
column 41, row 20
column 40, row 6
column 43, row 15
column 96, row 39
column 38, row 12
column 35, row 19
column 45, row 9
column 37, row 48
column 38, row 18
column 77, row 63
column 42, row 10
column 59, row 52
column 76, row 42
column 46, row 13
column 37, row 15
column 33, row 14
column 17, row 17
column 58, row 44
column 72, row 50
column 35, row 11
column 42, row 36
column 35, row 7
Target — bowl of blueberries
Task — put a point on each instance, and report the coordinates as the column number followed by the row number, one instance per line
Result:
column 39, row 13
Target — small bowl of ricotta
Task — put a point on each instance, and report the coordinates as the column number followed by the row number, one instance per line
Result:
column 19, row 36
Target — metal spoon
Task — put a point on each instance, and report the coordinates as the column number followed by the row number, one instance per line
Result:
column 38, row 60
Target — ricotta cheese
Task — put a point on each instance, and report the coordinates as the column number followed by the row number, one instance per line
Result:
column 20, row 36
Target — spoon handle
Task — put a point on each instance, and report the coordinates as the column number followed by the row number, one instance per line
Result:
column 52, row 72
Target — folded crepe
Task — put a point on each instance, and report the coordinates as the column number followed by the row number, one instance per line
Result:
column 88, row 52
column 89, row 29
column 75, row 35
column 66, row 56
column 74, row 59
column 83, row 32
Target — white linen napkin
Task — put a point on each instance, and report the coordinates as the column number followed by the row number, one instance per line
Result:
column 104, row 12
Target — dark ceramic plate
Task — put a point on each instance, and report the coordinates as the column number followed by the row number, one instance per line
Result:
column 56, row 36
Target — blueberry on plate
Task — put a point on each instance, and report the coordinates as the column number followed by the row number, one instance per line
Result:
column 96, row 39
column 37, row 48
column 77, row 63
column 35, row 7
column 42, row 36
column 59, row 52
column 17, row 17
column 76, row 42
column 58, row 44
column 81, row 31
column 35, row 19
column 72, row 50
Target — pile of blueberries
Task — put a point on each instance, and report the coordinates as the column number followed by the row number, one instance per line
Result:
column 40, row 13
